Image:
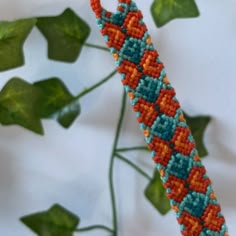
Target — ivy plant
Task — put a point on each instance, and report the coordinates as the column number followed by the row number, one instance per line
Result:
column 12, row 37
column 164, row 11
column 66, row 36
column 66, row 32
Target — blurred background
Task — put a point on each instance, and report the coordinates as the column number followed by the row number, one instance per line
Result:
column 70, row 167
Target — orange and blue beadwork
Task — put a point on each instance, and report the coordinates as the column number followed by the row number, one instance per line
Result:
column 161, row 120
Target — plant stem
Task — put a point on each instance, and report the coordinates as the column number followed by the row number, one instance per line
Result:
column 143, row 148
column 94, row 227
column 111, row 184
column 134, row 166
column 88, row 90
column 90, row 45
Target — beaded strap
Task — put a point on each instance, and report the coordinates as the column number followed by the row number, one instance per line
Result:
column 161, row 120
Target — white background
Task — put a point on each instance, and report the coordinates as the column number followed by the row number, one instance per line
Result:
column 70, row 167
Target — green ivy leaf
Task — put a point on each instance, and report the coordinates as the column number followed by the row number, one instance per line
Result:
column 156, row 194
column 198, row 125
column 57, row 101
column 57, row 221
column 65, row 34
column 12, row 37
column 19, row 101
column 68, row 114
column 164, row 11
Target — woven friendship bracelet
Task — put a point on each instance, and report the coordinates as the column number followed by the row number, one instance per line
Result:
column 161, row 120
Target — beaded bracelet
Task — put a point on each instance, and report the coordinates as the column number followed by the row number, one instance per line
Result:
column 161, row 119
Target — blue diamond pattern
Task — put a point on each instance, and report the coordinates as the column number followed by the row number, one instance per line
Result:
column 148, row 88
column 194, row 203
column 179, row 165
column 132, row 50
column 164, row 127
